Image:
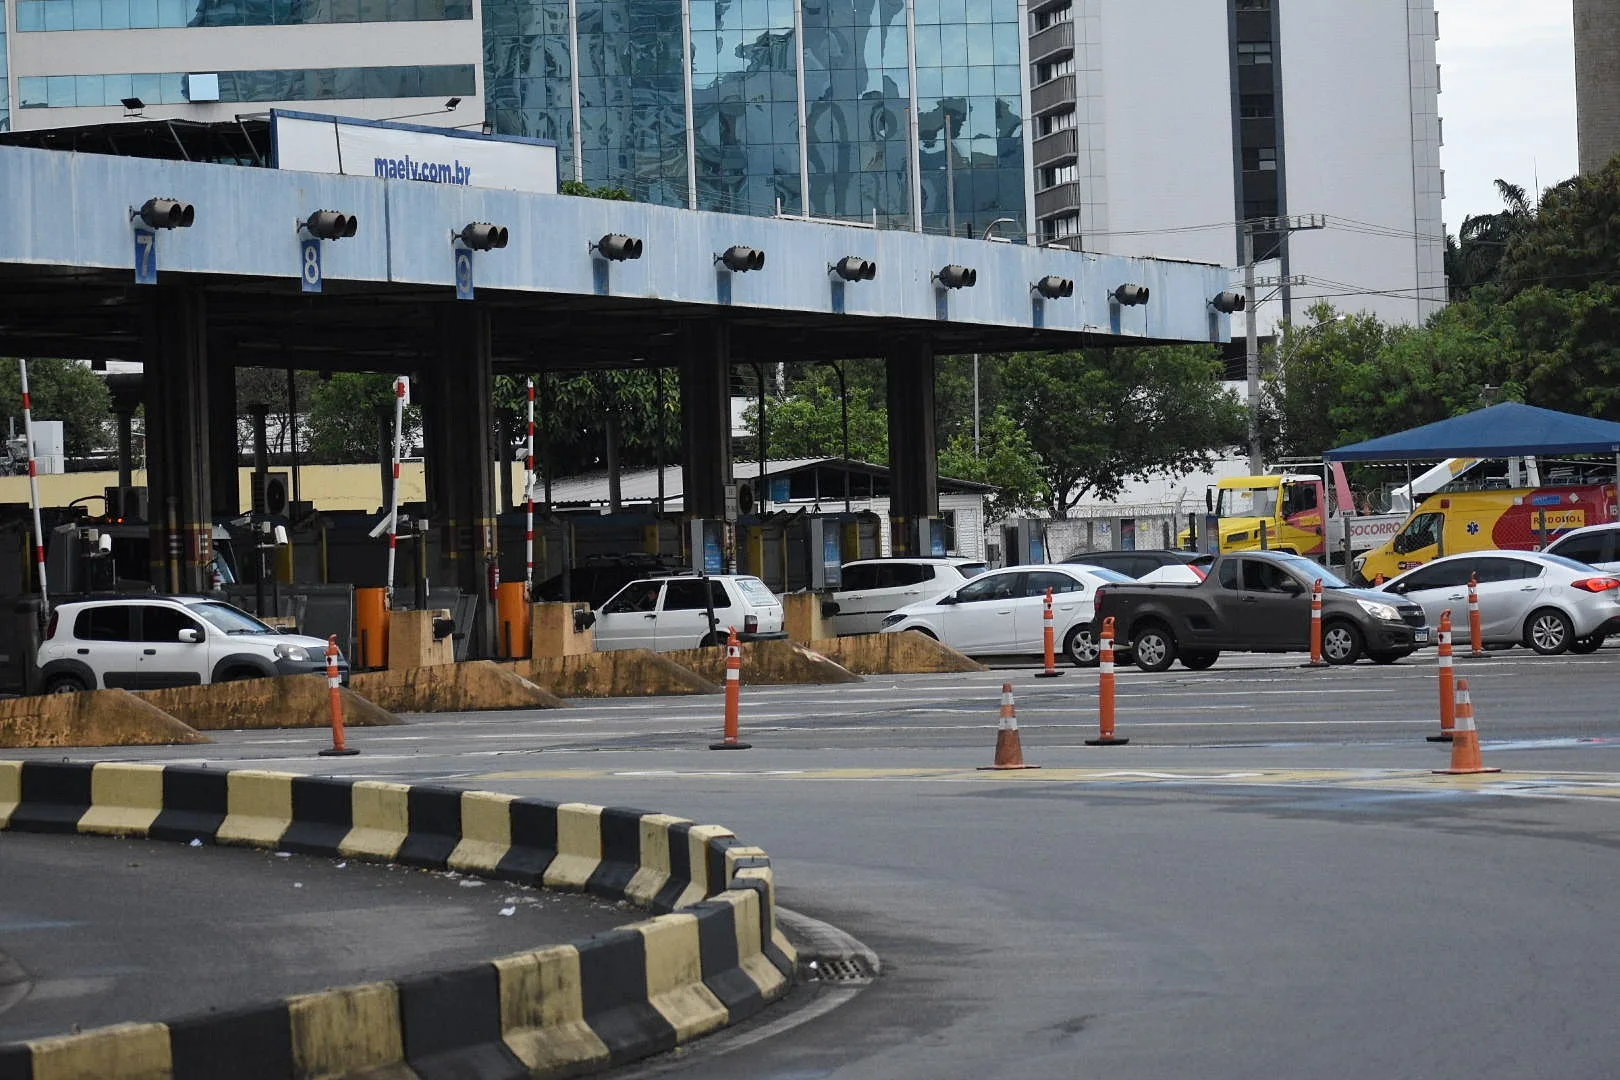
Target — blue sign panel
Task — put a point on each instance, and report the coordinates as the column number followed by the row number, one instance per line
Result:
column 464, row 274
column 309, row 270
column 145, row 257
column 714, row 557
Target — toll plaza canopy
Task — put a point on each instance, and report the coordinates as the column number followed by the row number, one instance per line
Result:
column 1506, row 430
column 68, row 257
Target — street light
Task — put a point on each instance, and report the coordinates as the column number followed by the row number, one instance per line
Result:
column 991, row 228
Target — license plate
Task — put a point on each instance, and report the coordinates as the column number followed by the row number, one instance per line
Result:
column 1421, row 636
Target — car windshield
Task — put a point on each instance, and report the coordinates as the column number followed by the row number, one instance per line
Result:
column 1313, row 570
column 757, row 591
column 1109, row 575
column 1247, row 502
column 229, row 619
column 1567, row 564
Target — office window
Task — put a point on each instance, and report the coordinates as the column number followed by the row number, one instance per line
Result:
column 314, row 84
column 1063, row 121
column 1257, row 106
column 1061, row 174
column 1260, row 159
column 1254, row 52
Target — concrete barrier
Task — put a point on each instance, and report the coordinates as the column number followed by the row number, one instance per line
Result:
column 621, row 673
column 290, row 701
column 93, row 718
column 767, row 663
column 803, row 620
column 909, row 652
column 467, row 687
column 712, row 956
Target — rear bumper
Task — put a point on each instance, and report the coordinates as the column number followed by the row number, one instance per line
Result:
column 763, row 635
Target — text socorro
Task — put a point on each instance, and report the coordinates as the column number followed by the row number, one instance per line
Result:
column 434, row 172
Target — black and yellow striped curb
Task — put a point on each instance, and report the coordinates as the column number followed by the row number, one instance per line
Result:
column 712, row 956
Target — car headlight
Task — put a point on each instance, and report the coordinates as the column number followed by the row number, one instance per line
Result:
column 296, row 653
column 1386, row 612
column 891, row 620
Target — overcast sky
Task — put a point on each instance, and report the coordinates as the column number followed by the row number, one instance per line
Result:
column 1507, row 81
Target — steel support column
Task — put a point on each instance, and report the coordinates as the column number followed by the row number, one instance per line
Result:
column 705, row 374
column 459, row 415
column 913, row 461
column 175, row 390
column 224, row 452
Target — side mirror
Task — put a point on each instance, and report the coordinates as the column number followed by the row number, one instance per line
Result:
column 1209, row 500
column 191, row 636
column 1292, row 587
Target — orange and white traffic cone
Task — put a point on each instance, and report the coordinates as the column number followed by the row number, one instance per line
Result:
column 1105, row 689
column 1050, row 637
column 1465, row 756
column 1448, row 690
column 334, row 689
column 1316, row 627
column 733, row 696
column 1009, row 751
column 1476, row 643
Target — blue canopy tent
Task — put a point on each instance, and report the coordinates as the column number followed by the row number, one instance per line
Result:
column 1506, row 430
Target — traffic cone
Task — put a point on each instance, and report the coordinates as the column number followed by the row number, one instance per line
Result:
column 730, row 741
column 1448, row 691
column 1009, row 752
column 1465, row 757
column 1105, row 689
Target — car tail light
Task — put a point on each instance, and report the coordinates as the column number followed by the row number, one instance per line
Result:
column 50, row 627
column 1597, row 584
column 750, row 624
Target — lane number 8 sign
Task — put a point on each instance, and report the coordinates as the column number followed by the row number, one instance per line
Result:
column 310, row 265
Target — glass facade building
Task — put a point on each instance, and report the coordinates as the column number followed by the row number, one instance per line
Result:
column 5, row 81
column 52, row 15
column 297, row 84
column 907, row 112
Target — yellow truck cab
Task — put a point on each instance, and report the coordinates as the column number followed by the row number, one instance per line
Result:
column 1289, row 509
column 1523, row 519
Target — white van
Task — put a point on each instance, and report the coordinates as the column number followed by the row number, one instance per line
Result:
column 874, row 587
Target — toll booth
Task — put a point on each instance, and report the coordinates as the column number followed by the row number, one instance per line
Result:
column 804, row 551
column 1023, row 541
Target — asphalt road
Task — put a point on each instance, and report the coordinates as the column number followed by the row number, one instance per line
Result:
column 1268, row 881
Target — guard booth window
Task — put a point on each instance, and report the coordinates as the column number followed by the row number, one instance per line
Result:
column 690, row 596
column 111, row 623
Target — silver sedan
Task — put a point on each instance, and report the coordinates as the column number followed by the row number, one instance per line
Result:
column 1547, row 602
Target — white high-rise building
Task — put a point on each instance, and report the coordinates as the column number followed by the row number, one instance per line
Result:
column 1160, row 126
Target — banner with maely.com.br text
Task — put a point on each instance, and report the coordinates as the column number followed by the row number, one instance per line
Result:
column 310, row 143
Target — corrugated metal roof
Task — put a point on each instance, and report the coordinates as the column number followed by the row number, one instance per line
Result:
column 641, row 485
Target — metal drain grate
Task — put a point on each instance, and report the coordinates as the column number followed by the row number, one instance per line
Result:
column 846, row 971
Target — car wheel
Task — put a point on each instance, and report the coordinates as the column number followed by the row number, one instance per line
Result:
column 1341, row 643
column 1081, row 648
column 1548, row 632
column 710, row 641
column 1591, row 643
column 1387, row 657
column 65, row 684
column 1155, row 648
column 1198, row 661
column 240, row 675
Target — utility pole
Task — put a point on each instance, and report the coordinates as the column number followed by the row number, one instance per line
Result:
column 1281, row 226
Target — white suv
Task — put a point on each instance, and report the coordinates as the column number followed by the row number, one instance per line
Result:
column 1594, row 545
column 673, row 613
column 872, row 588
column 152, row 642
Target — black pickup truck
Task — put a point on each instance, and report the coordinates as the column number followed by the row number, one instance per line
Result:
column 1258, row 601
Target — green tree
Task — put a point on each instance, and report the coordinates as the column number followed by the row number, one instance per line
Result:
column 1100, row 418
column 65, row 390
column 1005, row 458
column 346, row 418
column 808, row 421
column 1474, row 255
column 613, row 194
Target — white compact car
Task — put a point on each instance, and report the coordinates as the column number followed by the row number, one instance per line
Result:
column 1594, row 545
column 872, row 588
column 152, row 642
column 670, row 613
column 1002, row 612
column 1547, row 602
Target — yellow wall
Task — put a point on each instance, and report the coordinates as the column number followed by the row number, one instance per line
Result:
column 329, row 487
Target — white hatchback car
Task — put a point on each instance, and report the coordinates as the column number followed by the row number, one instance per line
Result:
column 670, row 613
column 1545, row 601
column 1003, row 612
column 152, row 642
column 872, row 588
